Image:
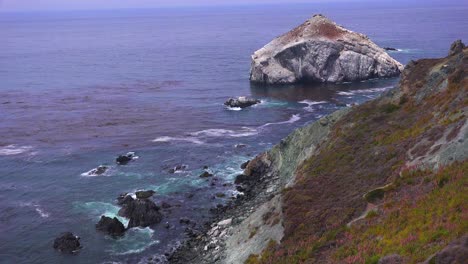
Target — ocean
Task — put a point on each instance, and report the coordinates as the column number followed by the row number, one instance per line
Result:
column 79, row 88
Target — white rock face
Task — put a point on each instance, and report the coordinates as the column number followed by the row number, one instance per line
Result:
column 321, row 51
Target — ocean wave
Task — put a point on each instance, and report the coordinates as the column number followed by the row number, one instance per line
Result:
column 244, row 132
column 186, row 139
column 37, row 208
column 198, row 136
column 294, row 118
column 42, row 212
column 309, row 104
column 98, row 209
column 14, row 150
column 136, row 240
column 363, row 91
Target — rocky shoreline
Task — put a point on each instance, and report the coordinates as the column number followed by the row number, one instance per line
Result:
column 254, row 218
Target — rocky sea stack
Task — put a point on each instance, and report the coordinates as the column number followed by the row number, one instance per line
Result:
column 321, row 51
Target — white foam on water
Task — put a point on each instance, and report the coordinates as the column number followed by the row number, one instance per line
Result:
column 14, row 150
column 233, row 108
column 294, row 118
column 309, row 104
column 244, row 132
column 346, row 93
column 92, row 173
column 37, row 208
column 186, row 139
column 364, row 91
column 270, row 103
column 98, row 209
column 136, row 240
column 41, row 212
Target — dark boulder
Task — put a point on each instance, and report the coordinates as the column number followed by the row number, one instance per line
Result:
column 141, row 212
column 124, row 198
column 67, row 243
column 242, row 178
column 110, row 226
column 258, row 166
column 144, row 194
column 244, row 165
column 124, row 159
column 241, row 102
column 206, row 174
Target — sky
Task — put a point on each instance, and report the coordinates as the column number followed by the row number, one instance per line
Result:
column 29, row 5
column 20, row 5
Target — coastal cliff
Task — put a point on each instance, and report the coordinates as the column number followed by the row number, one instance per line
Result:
column 321, row 51
column 388, row 184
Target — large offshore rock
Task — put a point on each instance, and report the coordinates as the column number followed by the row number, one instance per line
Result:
column 321, row 51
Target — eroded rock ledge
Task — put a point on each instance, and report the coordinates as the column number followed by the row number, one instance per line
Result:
column 321, row 51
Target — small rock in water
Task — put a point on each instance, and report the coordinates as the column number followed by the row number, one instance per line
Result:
column 206, row 175
column 241, row 102
column 99, row 170
column 124, row 159
column 220, row 195
column 110, row 226
column 144, row 194
column 240, row 145
column 390, row 49
column 67, row 243
column 186, row 221
column 178, row 168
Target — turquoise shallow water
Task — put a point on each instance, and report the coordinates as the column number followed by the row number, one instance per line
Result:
column 79, row 88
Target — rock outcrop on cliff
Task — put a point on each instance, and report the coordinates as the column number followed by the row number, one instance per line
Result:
column 321, row 51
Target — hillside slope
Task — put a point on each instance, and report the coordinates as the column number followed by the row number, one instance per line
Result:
column 389, row 182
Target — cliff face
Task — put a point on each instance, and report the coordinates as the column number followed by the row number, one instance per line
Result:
column 383, row 182
column 321, row 51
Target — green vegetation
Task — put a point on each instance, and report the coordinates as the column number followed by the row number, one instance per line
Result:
column 413, row 229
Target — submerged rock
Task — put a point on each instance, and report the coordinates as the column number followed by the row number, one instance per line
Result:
column 390, row 49
column 67, row 243
column 110, row 226
column 241, row 102
column 206, row 174
column 141, row 212
column 178, row 168
column 321, row 51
